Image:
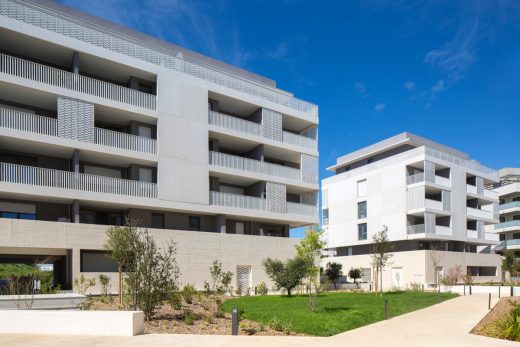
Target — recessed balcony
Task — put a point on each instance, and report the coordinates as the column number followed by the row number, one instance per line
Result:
column 42, row 177
column 428, row 229
column 419, row 177
column 257, row 166
column 47, row 75
column 28, row 122
column 486, row 193
column 259, row 204
column 475, row 213
column 246, row 127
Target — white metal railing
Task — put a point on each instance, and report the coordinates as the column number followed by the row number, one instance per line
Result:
column 28, row 122
column 59, row 78
column 125, row 141
column 302, row 209
column 299, row 140
column 237, row 201
column 234, row 123
column 416, row 229
column 246, row 164
column 47, row 19
column 36, row 176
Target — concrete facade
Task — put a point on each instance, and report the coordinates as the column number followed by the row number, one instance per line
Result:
column 105, row 125
column 429, row 197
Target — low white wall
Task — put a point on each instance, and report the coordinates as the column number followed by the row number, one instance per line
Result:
column 107, row 323
column 504, row 290
column 62, row 301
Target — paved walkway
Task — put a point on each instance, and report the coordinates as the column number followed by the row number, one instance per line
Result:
column 445, row 324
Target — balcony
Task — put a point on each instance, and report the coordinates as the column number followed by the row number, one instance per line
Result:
column 472, row 234
column 251, row 128
column 419, row 177
column 63, row 79
column 28, row 122
column 511, row 205
column 428, row 229
column 36, row 176
column 124, row 141
column 433, row 204
column 513, row 224
column 471, row 189
column 480, row 214
column 508, row 244
column 250, row 165
column 259, row 204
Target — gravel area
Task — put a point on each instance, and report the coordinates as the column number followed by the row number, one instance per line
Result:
column 500, row 310
column 171, row 321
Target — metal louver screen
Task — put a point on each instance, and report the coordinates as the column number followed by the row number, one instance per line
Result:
column 243, row 278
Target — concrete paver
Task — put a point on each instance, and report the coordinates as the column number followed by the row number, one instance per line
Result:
column 445, row 324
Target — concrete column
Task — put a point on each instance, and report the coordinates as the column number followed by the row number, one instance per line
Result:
column 75, row 211
column 75, row 62
column 75, row 161
column 213, row 145
column 220, row 223
column 214, row 184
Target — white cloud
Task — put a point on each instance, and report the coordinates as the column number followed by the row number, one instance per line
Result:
column 410, row 85
column 438, row 87
column 380, row 107
column 360, row 87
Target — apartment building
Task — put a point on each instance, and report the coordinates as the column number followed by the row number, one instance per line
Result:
column 100, row 124
column 433, row 201
column 508, row 230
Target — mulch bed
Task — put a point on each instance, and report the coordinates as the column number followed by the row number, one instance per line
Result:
column 500, row 310
column 170, row 321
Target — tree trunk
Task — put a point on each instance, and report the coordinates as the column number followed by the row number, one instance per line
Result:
column 119, row 286
column 288, row 292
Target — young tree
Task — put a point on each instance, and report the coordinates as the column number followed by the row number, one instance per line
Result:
column 380, row 254
column 509, row 262
column 334, row 272
column 436, row 257
column 355, row 274
column 221, row 281
column 311, row 248
column 289, row 274
column 150, row 273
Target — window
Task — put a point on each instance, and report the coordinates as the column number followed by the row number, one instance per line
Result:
column 362, row 209
column 362, row 231
column 158, row 220
column 516, row 198
column 502, row 237
column 194, row 223
column 502, row 219
column 145, row 175
column 17, row 215
column 96, row 261
column 325, row 216
column 239, row 228
column 362, row 188
column 501, row 201
column 516, row 217
column 516, row 236
column 144, row 131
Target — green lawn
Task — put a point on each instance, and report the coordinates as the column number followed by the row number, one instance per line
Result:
column 336, row 312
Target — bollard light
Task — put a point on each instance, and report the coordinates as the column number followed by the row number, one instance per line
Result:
column 234, row 322
column 386, row 309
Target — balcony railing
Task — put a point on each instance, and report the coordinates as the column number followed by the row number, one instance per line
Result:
column 419, row 177
column 478, row 213
column 428, row 229
column 508, row 244
column 513, row 204
column 246, row 164
column 471, row 189
column 237, row 201
column 509, row 224
column 92, row 34
column 78, row 83
column 234, row 123
column 434, row 204
column 416, row 229
column 259, row 204
column 251, row 128
column 36, row 176
column 302, row 209
column 472, row 234
column 23, row 121
column 125, row 141
column 299, row 140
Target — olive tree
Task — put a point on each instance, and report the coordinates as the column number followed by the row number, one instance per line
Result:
column 334, row 272
column 287, row 275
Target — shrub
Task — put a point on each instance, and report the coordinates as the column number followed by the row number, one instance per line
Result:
column 104, row 281
column 189, row 317
column 453, row 276
column 261, row 289
column 188, row 291
column 355, row 274
column 248, row 329
column 209, row 320
column 207, row 288
column 415, row 286
column 508, row 327
column 221, row 281
column 287, row 327
column 83, row 284
column 276, row 324
column 334, row 272
column 175, row 300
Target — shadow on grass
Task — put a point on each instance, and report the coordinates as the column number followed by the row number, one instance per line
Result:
column 335, row 309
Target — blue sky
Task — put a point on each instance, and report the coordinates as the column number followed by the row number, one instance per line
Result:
column 446, row 70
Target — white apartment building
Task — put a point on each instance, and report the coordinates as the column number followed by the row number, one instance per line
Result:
column 432, row 199
column 508, row 229
column 99, row 124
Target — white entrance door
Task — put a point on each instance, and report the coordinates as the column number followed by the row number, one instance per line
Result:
column 397, row 277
